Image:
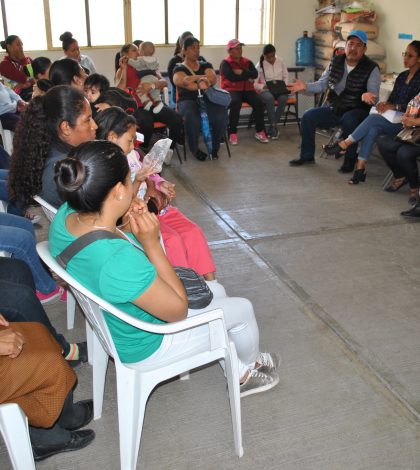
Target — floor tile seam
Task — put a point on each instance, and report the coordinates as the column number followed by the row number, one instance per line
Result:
column 313, row 310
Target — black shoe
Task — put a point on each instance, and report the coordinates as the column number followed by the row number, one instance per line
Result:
column 359, row 176
column 200, row 155
column 86, row 418
column 334, row 149
column 301, row 161
column 214, row 156
column 413, row 213
column 79, row 439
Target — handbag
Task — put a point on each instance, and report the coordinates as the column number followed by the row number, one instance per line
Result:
column 409, row 135
column 218, row 96
column 277, row 88
column 198, row 292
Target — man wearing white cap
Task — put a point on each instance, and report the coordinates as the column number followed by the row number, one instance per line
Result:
column 351, row 84
column 237, row 75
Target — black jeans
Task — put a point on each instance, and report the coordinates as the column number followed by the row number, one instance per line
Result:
column 401, row 159
column 18, row 301
column 168, row 116
column 258, row 108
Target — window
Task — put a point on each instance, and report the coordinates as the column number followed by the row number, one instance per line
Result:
column 115, row 22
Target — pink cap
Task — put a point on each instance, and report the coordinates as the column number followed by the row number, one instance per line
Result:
column 234, row 43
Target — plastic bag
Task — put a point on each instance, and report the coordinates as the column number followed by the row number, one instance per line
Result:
column 154, row 159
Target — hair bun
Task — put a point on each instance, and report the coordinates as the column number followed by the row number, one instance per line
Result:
column 3, row 44
column 70, row 174
column 66, row 36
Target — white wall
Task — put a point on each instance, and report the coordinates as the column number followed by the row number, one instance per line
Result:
column 291, row 17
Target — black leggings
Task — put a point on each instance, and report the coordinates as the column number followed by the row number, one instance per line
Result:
column 258, row 108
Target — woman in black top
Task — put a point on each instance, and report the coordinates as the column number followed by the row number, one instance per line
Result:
column 189, row 76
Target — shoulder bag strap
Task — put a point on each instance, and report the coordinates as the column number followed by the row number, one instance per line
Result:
column 67, row 254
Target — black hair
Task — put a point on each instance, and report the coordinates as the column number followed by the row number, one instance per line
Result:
column 115, row 120
column 44, row 85
column 267, row 49
column 416, row 45
column 63, row 71
column 85, row 178
column 67, row 39
column 37, row 132
column 117, row 97
column 180, row 41
column 97, row 80
column 189, row 41
column 8, row 41
column 137, row 42
column 38, row 66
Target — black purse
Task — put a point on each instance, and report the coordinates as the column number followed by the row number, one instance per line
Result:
column 198, row 292
column 275, row 87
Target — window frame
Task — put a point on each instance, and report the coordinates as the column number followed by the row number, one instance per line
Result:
column 128, row 34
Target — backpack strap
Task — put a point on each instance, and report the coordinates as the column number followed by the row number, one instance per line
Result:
column 77, row 245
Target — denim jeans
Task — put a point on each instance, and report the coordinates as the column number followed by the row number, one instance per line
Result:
column 217, row 117
column 368, row 131
column 18, row 302
column 11, row 208
column 401, row 159
column 17, row 237
column 273, row 113
column 324, row 117
column 4, row 159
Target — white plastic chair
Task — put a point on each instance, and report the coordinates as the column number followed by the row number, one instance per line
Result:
column 135, row 381
column 15, row 432
column 3, row 208
column 50, row 212
column 7, row 138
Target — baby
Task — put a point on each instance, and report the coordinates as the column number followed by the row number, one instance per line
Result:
column 147, row 67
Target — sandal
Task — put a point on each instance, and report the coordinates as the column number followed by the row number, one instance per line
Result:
column 414, row 196
column 359, row 176
column 396, row 184
column 334, row 149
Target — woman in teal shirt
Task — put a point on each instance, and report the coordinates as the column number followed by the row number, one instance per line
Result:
column 94, row 180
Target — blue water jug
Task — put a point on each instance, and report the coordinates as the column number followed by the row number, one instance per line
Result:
column 305, row 51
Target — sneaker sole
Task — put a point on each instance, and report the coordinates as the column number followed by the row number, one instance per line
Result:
column 254, row 391
column 52, row 299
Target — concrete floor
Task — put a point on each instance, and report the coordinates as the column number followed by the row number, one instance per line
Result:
column 333, row 273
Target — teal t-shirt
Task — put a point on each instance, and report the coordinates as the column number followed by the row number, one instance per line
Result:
column 119, row 273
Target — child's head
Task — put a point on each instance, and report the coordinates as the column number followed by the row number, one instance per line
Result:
column 39, row 68
column 117, row 126
column 117, row 97
column 95, row 84
column 147, row 49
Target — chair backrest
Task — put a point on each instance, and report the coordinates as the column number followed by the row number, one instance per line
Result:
column 7, row 138
column 92, row 305
column 48, row 209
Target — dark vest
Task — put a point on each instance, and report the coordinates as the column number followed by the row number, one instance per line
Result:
column 356, row 83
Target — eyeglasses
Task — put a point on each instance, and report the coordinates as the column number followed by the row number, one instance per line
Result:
column 406, row 54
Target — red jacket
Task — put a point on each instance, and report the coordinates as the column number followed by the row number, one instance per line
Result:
column 13, row 71
column 232, row 82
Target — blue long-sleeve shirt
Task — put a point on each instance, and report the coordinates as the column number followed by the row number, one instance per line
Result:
column 8, row 100
column 373, row 83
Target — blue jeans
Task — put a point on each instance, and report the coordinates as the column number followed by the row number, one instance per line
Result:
column 18, row 301
column 191, row 113
column 325, row 118
column 17, row 237
column 4, row 158
column 11, row 208
column 368, row 131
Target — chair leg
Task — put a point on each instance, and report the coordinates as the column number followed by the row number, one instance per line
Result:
column 178, row 154
column 388, row 179
column 226, row 137
column 132, row 399
column 71, row 310
column 15, row 432
column 100, row 364
column 232, row 376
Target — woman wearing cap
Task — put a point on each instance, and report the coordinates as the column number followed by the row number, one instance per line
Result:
column 190, row 76
column 13, row 64
column 237, row 75
column 406, row 87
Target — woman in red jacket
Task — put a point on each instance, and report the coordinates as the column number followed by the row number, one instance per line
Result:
column 12, row 67
column 237, row 75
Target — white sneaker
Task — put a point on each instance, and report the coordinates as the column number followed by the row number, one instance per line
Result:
column 268, row 362
column 258, row 382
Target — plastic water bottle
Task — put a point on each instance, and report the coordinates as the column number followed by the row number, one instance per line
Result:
column 305, row 51
column 413, row 107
